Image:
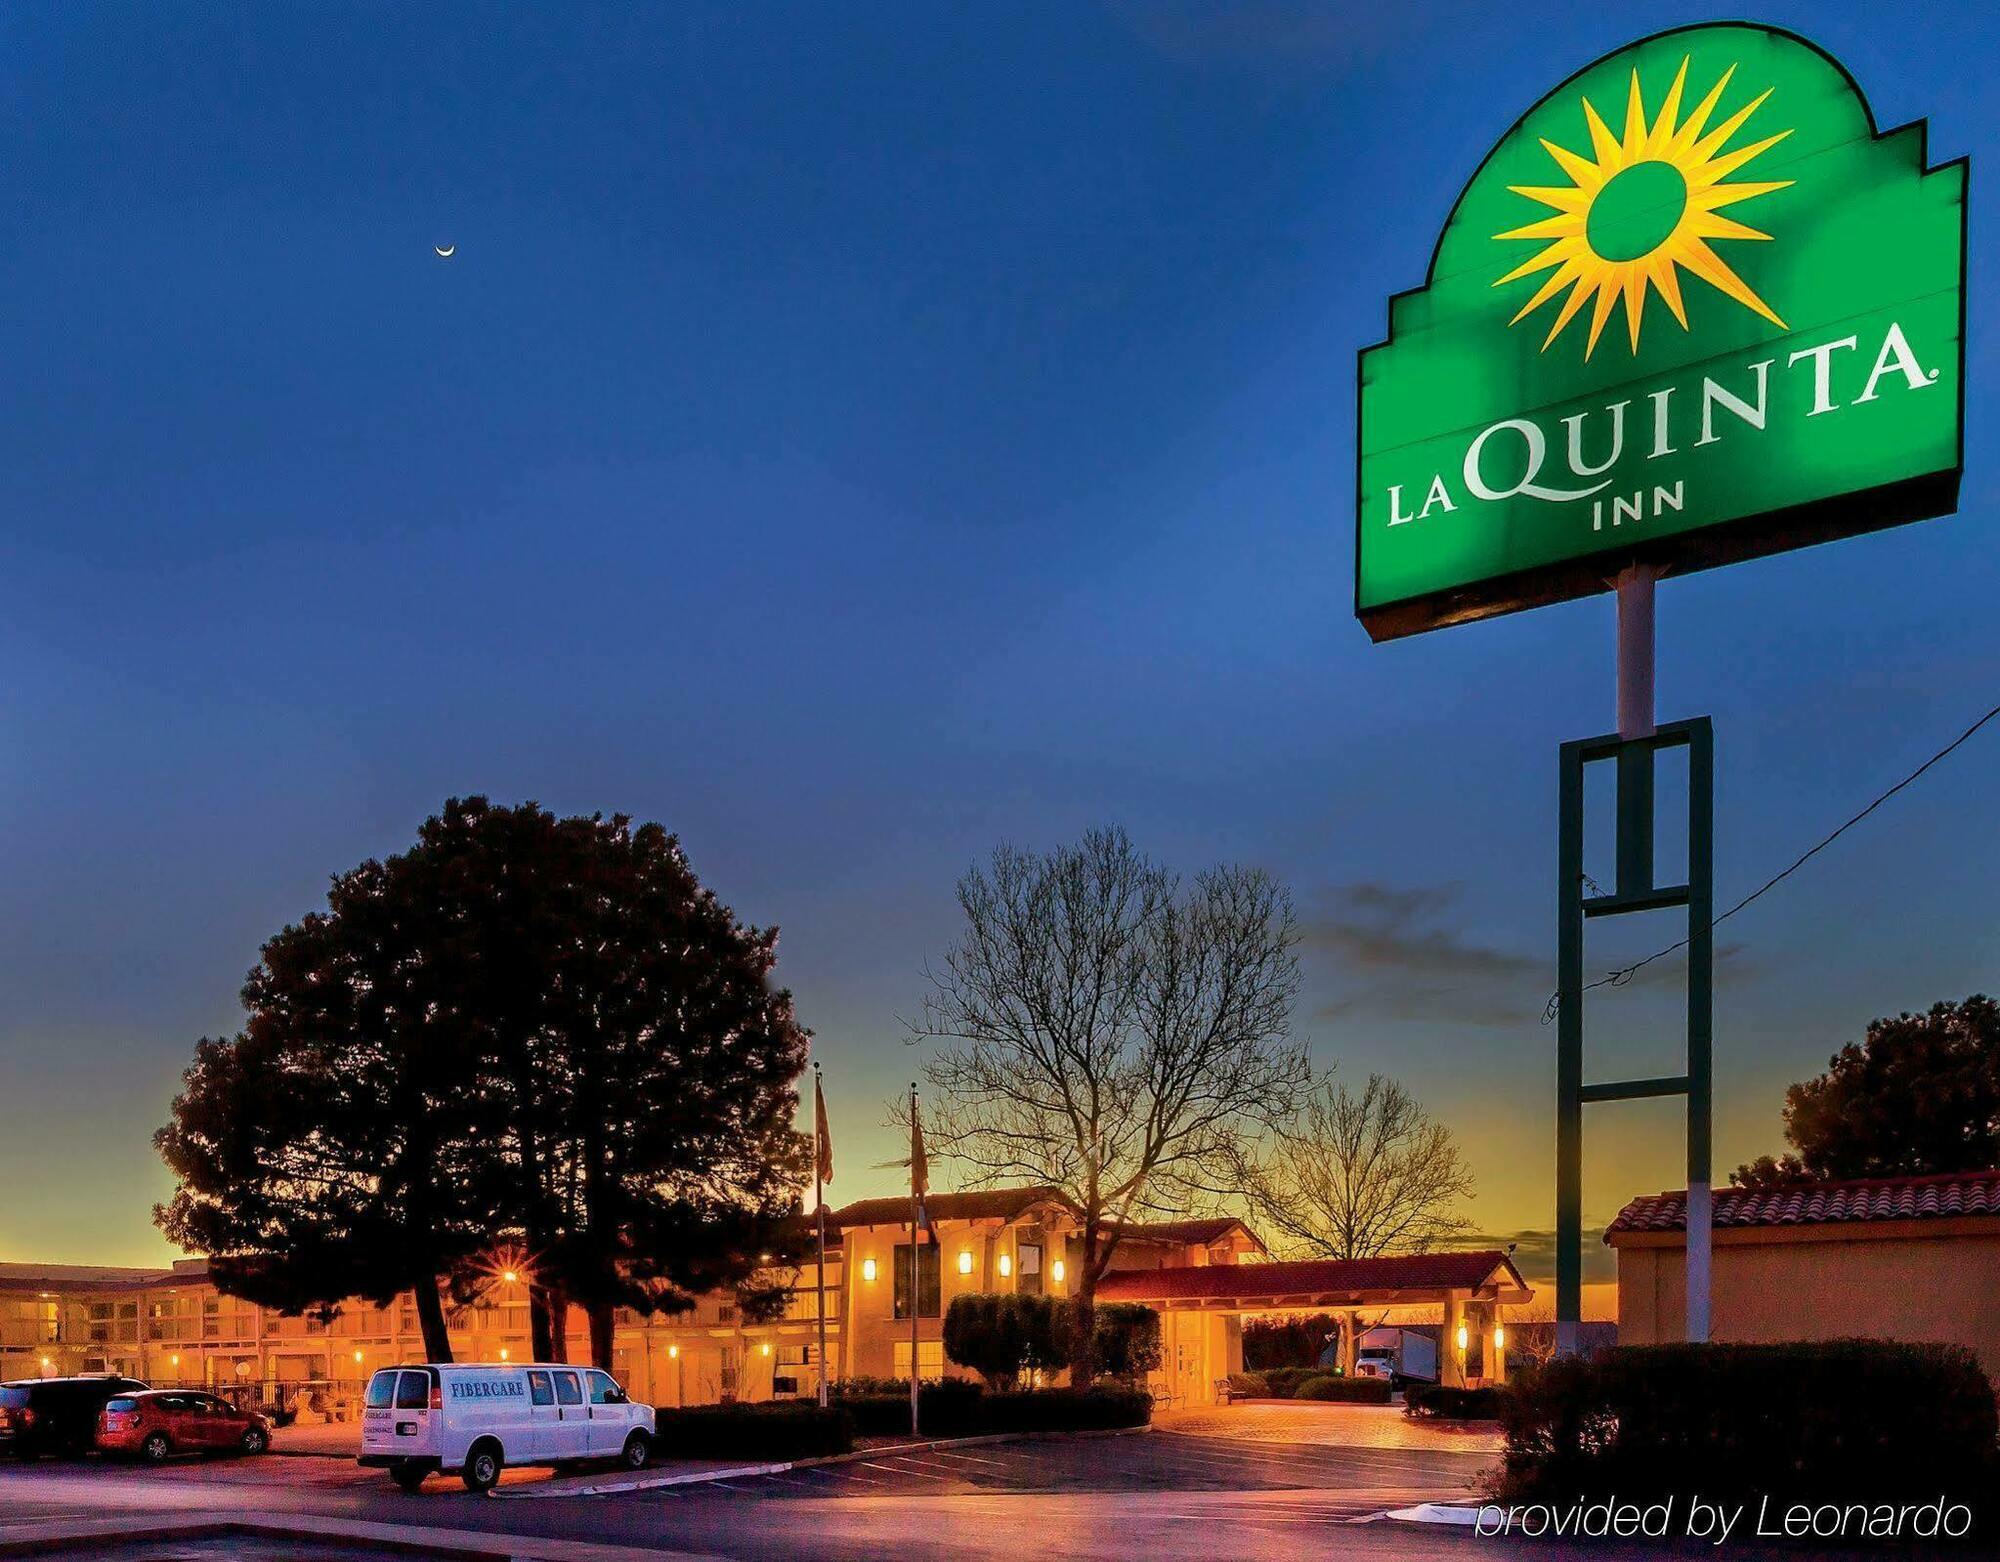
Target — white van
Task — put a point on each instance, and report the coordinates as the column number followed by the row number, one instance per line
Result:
column 476, row 1420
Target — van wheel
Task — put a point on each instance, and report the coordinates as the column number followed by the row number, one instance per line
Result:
column 154, row 1450
column 408, row 1476
column 482, row 1467
column 638, row 1451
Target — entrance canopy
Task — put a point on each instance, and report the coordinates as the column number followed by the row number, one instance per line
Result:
column 1405, row 1281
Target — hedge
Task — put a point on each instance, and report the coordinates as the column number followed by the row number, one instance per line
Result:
column 959, row 1408
column 1854, row 1421
column 1331, row 1387
column 946, row 1409
column 773, row 1431
column 1456, row 1404
column 1290, row 1383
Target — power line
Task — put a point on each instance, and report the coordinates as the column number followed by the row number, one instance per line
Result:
column 1625, row 973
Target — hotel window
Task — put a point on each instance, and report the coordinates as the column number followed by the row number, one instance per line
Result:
column 1028, row 1268
column 929, row 1300
column 930, row 1359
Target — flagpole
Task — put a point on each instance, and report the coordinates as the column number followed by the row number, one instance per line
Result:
column 819, row 1207
column 916, row 1268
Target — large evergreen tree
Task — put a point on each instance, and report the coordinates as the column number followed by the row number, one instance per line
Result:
column 526, row 1029
column 1920, row 1093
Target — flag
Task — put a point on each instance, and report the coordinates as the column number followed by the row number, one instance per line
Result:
column 825, row 1143
column 920, row 1172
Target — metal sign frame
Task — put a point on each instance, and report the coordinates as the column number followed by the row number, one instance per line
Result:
column 1636, row 890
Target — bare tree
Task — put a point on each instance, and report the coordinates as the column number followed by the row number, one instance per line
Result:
column 1352, row 1174
column 1111, row 1031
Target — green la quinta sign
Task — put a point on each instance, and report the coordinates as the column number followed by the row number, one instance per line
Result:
column 1691, row 309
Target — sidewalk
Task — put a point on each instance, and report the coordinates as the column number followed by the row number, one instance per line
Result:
column 40, row 1540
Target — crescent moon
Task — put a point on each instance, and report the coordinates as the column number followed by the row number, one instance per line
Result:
column 445, row 251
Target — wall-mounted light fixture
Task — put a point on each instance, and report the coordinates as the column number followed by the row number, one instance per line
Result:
column 503, row 1353
column 673, row 1351
column 1056, row 1271
column 1499, row 1336
column 1006, row 1265
column 766, row 1347
column 1463, row 1337
column 965, row 1261
column 868, row 1269
column 511, row 1276
column 357, row 1357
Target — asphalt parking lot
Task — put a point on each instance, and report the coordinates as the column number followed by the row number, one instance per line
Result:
column 1134, row 1463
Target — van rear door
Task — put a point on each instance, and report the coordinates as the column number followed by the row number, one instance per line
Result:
column 413, row 1414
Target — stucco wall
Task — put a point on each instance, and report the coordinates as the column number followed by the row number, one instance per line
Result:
column 1914, row 1287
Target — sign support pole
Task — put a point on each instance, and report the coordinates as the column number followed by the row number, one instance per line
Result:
column 1632, row 751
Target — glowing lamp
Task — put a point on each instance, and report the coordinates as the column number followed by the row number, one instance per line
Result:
column 357, row 1356
column 868, row 1269
column 503, row 1353
column 173, row 1361
column 1006, row 1265
column 965, row 1261
column 511, row 1276
column 766, row 1348
column 1056, row 1271
column 1462, row 1337
column 673, row 1351
column 46, row 1364
column 1499, row 1336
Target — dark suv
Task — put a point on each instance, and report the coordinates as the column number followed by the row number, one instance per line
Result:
column 55, row 1415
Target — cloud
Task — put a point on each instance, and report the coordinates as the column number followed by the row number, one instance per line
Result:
column 1402, row 955
column 1534, row 1254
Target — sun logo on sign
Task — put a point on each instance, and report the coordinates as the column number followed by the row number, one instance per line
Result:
column 1641, row 209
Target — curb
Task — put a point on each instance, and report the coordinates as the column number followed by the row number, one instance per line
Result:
column 748, row 1471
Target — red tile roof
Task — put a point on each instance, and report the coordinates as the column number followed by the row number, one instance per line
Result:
column 1311, row 1277
column 982, row 1204
column 1823, row 1203
column 1198, row 1232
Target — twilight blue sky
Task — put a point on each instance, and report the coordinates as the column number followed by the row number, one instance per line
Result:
column 855, row 435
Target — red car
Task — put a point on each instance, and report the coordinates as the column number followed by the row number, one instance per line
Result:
column 163, row 1422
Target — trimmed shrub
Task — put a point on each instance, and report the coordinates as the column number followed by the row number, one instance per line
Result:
column 1249, row 1385
column 1846, row 1421
column 1452, row 1404
column 1346, row 1391
column 774, row 1431
column 1127, row 1336
column 1001, row 1336
column 1283, row 1382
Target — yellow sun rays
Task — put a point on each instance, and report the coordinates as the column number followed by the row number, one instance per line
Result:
column 1690, row 149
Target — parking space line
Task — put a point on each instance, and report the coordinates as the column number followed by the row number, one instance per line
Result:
column 892, row 1470
column 930, row 1463
column 945, row 1453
